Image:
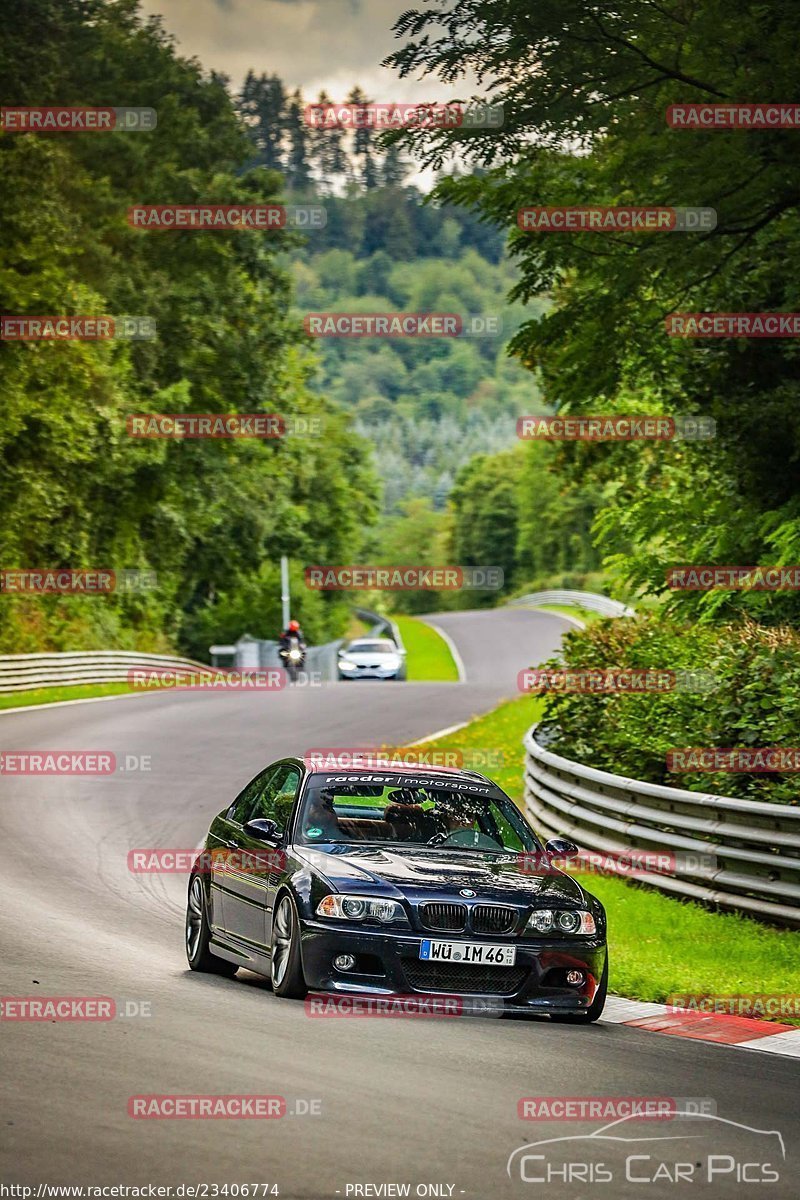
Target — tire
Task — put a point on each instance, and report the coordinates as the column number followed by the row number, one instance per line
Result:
column 287, row 969
column 198, row 935
column 595, row 1009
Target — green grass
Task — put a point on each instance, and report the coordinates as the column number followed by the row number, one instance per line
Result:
column 580, row 614
column 493, row 743
column 79, row 691
column 427, row 653
column 657, row 945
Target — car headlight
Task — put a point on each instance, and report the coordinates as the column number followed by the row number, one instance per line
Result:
column 348, row 666
column 390, row 663
column 566, row 920
column 361, row 908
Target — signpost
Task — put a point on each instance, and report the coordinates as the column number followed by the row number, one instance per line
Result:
column 285, row 599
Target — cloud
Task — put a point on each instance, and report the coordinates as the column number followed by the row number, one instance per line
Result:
column 312, row 44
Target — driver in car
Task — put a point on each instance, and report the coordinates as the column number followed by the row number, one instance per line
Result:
column 460, row 820
column 408, row 812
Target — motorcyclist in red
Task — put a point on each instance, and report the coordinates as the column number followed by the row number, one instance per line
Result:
column 291, row 631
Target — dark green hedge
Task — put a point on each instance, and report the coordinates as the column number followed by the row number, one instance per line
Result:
column 755, row 702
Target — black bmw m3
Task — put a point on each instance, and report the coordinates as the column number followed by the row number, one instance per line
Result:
column 395, row 882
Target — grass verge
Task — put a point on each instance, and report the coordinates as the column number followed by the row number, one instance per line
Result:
column 658, row 945
column 428, row 656
column 79, row 691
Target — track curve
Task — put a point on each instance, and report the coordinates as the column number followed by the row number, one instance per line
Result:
column 417, row 1101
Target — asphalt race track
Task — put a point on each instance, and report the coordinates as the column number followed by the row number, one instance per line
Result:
column 400, row 1101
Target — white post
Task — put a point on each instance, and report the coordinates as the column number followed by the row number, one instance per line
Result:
column 285, row 604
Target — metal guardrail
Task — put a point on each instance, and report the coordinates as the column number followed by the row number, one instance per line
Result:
column 734, row 853
column 23, row 672
column 588, row 600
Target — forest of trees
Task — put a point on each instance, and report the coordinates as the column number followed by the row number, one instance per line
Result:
column 408, row 425
column 420, row 439
column 427, row 408
column 585, row 91
column 210, row 518
column 588, row 125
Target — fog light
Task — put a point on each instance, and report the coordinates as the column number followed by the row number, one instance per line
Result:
column 344, row 962
column 575, row 977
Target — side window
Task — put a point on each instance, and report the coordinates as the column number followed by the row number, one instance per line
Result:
column 239, row 811
column 274, row 802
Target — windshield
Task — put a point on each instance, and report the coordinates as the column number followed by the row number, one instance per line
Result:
column 433, row 813
column 370, row 648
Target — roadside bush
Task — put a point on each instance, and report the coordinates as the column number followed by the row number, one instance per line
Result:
column 754, row 702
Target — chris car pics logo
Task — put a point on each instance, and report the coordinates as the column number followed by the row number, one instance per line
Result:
column 696, row 1147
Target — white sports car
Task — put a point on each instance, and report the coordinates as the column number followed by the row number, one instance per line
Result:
column 370, row 658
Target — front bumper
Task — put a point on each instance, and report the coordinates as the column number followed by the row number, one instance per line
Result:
column 536, row 983
column 368, row 672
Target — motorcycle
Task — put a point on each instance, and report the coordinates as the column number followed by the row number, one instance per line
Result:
column 293, row 657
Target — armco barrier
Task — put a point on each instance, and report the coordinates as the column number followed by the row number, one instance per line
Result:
column 384, row 627
column 588, row 600
column 23, row 672
column 756, row 845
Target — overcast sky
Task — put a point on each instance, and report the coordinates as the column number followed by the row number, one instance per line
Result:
column 313, row 44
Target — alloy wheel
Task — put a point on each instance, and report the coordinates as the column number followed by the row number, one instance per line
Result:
column 194, row 918
column 282, row 939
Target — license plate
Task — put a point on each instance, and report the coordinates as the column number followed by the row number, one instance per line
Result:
column 468, row 952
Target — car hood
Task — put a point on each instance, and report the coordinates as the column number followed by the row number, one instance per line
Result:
column 365, row 656
column 421, row 874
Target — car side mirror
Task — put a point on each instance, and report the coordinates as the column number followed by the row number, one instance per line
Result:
column 562, row 847
column 265, row 829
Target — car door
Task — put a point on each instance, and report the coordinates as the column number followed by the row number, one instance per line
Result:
column 227, row 884
column 283, row 791
column 254, row 873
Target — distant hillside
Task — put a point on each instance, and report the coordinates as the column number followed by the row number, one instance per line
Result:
column 428, row 405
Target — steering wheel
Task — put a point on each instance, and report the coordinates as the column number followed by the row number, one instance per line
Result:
column 472, row 839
